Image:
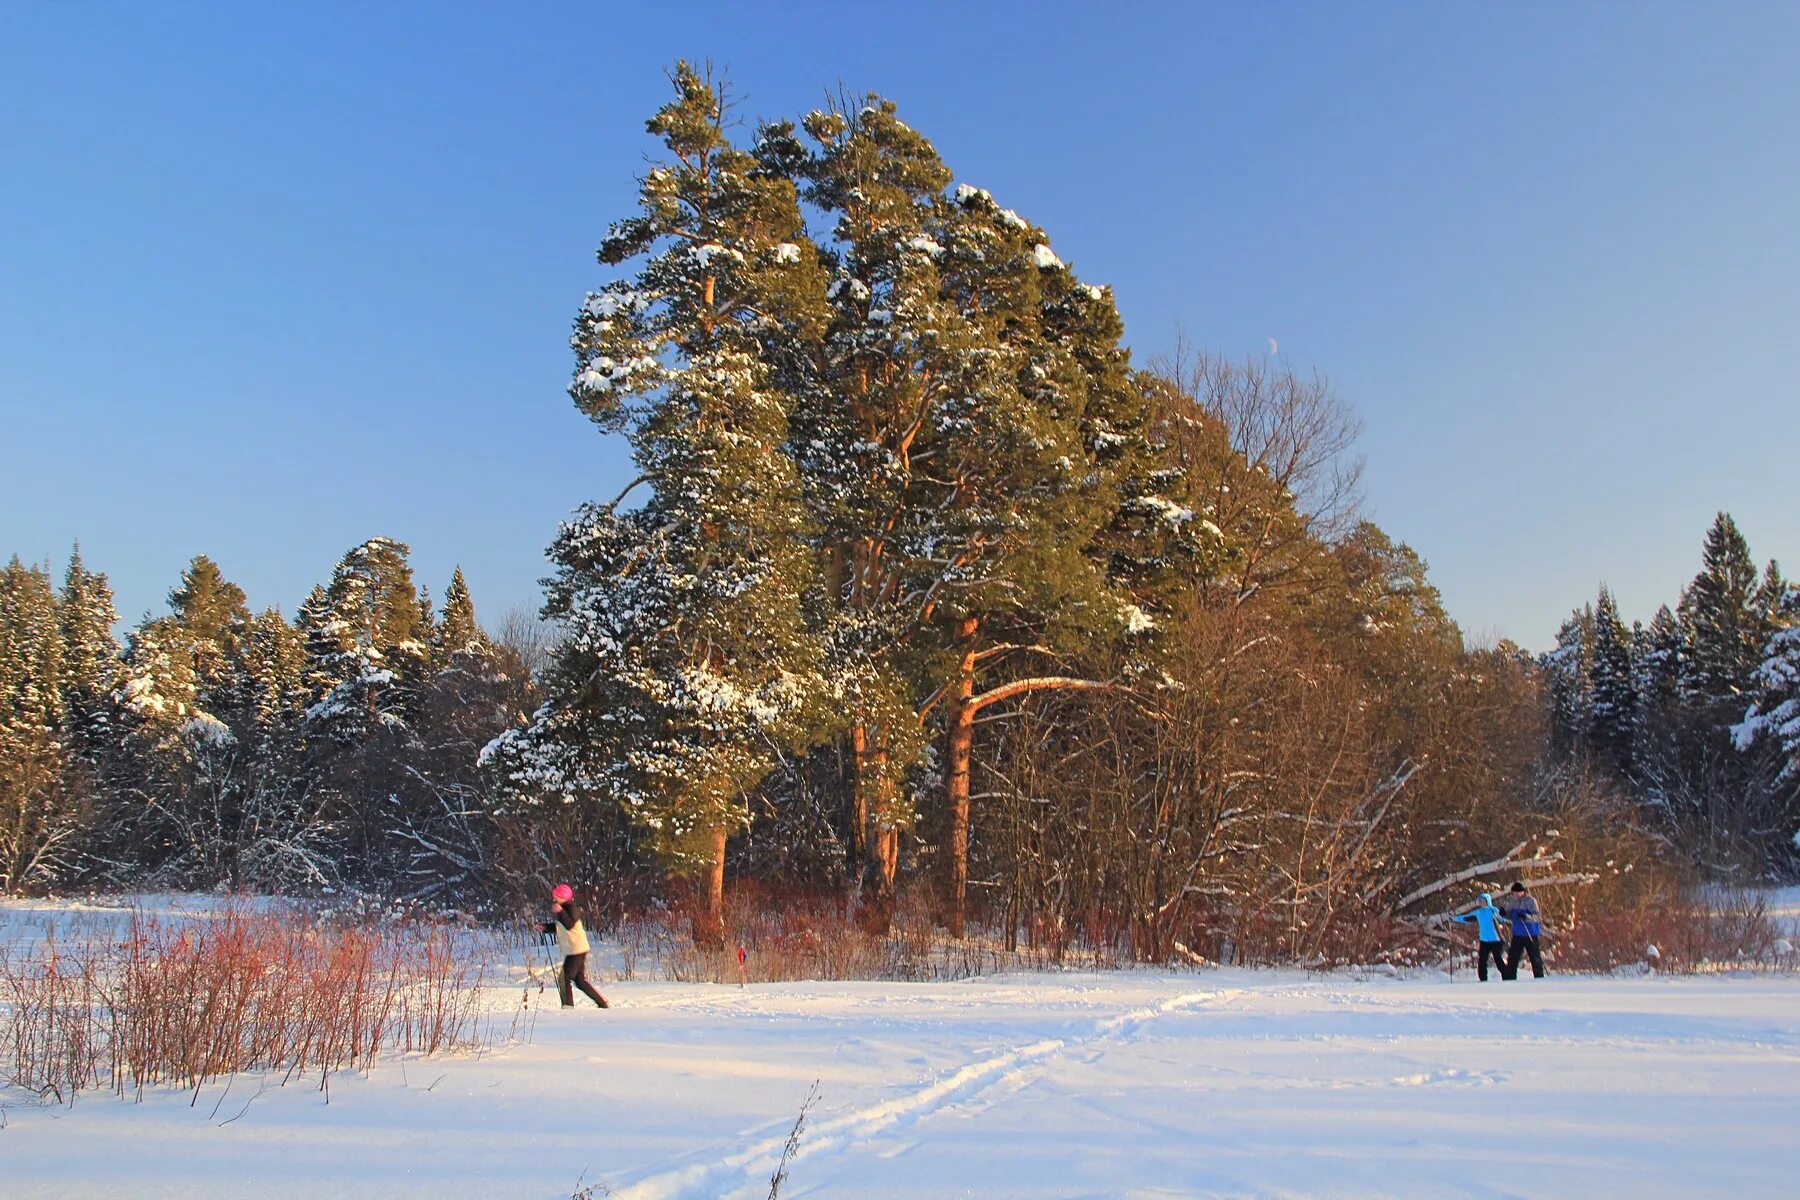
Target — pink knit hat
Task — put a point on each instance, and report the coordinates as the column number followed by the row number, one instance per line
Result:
column 562, row 893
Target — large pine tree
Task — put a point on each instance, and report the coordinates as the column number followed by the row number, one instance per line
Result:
column 866, row 393
column 687, row 665
column 1050, row 493
column 977, row 456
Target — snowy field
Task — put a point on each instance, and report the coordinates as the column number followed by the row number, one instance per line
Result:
column 1127, row 1084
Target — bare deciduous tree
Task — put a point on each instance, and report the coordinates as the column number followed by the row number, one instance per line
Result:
column 529, row 635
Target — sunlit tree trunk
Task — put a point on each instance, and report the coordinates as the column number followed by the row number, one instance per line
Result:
column 709, row 922
column 961, row 748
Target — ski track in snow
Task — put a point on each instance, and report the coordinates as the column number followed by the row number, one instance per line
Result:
column 1008, row 1070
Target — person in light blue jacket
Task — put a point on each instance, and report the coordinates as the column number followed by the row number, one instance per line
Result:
column 1487, row 920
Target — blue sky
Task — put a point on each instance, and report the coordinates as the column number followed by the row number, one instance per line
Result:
column 274, row 279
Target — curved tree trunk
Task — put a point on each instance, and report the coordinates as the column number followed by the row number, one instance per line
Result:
column 965, row 705
column 961, row 749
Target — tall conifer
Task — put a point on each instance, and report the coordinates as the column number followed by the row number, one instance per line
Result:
column 1773, row 715
column 210, row 619
column 458, row 629
column 975, row 451
column 1570, row 667
column 86, row 616
column 1612, row 693
column 687, row 665
column 39, row 818
column 1726, row 627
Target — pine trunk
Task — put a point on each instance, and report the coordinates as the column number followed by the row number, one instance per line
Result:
column 961, row 750
column 709, row 923
column 876, row 835
column 859, row 799
column 885, row 860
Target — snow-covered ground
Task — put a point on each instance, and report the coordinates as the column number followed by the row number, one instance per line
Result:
column 1126, row 1084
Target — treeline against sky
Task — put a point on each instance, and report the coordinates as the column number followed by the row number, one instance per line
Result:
column 1695, row 716
column 221, row 747
column 924, row 591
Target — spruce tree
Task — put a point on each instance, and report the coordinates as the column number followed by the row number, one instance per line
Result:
column 1726, row 627
column 457, row 630
column 687, row 666
column 1570, row 668
column 1773, row 716
column 478, row 690
column 362, row 635
column 427, row 635
column 1656, row 653
column 366, row 669
column 319, row 644
column 149, row 771
column 286, row 838
column 189, row 730
column 1612, row 694
column 40, row 818
column 275, row 660
column 86, row 616
column 1771, row 597
column 35, row 666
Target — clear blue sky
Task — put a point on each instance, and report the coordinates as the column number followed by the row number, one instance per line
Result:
column 274, row 279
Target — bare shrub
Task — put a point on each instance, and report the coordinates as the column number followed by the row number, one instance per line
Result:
column 1689, row 931
column 793, row 934
column 183, row 1003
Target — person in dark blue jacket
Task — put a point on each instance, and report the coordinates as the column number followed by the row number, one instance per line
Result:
column 1527, row 927
column 1487, row 920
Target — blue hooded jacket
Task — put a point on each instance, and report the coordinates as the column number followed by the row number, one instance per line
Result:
column 1486, row 918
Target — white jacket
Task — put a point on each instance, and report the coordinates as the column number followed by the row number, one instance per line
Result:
column 571, row 939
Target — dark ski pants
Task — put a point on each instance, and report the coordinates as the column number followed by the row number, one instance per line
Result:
column 1524, row 945
column 1498, row 950
column 574, row 971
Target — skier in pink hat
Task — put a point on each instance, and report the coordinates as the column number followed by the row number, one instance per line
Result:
column 571, row 940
